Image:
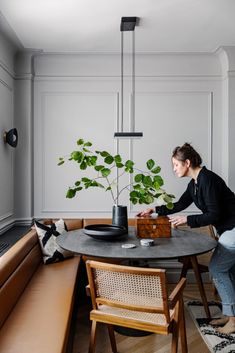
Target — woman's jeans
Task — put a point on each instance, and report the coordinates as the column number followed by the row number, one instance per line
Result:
column 222, row 269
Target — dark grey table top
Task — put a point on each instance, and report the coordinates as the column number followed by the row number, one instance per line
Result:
column 181, row 243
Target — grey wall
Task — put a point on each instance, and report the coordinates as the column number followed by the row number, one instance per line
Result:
column 7, row 51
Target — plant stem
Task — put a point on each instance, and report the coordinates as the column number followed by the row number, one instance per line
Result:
column 110, row 189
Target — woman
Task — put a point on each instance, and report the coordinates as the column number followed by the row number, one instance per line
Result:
column 217, row 202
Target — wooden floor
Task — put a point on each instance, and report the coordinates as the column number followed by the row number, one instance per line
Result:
column 149, row 344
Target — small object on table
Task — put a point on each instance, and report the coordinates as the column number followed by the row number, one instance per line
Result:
column 153, row 227
column 128, row 246
column 147, row 242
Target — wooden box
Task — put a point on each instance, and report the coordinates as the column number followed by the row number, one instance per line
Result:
column 148, row 227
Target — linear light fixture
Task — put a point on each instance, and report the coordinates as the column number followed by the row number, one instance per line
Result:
column 128, row 24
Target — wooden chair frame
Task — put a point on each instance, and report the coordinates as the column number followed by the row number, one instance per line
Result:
column 169, row 308
column 192, row 263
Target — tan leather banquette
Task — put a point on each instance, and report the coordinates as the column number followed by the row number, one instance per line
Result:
column 36, row 300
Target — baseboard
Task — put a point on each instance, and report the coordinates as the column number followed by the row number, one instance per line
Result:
column 15, row 222
column 23, row 221
column 4, row 228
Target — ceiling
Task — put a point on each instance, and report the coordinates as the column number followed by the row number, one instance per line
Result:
column 94, row 25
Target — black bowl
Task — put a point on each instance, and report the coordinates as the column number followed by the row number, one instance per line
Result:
column 107, row 232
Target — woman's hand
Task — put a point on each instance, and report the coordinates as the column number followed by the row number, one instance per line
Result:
column 178, row 220
column 146, row 212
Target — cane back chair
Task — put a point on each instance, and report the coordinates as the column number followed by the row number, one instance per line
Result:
column 136, row 298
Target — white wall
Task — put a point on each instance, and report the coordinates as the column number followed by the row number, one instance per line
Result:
column 178, row 99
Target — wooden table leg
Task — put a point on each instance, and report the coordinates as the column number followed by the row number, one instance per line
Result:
column 200, row 285
column 185, row 267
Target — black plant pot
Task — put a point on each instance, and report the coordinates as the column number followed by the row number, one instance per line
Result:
column 120, row 216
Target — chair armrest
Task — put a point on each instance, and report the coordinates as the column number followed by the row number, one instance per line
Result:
column 176, row 293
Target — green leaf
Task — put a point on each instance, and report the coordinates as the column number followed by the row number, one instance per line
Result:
column 150, row 164
column 70, row 193
column 99, row 167
column 137, row 187
column 117, row 158
column 60, row 163
column 86, row 150
column 109, row 159
column 134, row 201
column 77, row 183
column 83, row 165
column 79, row 188
column 86, row 180
column 104, row 154
column 147, row 181
column 100, row 186
column 158, row 179
column 93, row 160
column 156, row 185
column 119, row 165
column 170, row 205
column 149, row 199
column 157, row 195
column 77, row 156
column 129, row 164
column 172, row 196
column 88, row 144
column 105, row 172
column 156, row 170
column 129, row 170
column 80, row 142
column 108, row 188
column 142, row 191
column 139, row 178
column 133, row 194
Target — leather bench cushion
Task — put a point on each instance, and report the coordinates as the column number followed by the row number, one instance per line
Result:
column 17, row 266
column 39, row 322
column 14, row 286
column 15, row 255
column 71, row 223
column 88, row 221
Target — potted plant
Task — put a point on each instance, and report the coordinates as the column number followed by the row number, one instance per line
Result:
column 145, row 187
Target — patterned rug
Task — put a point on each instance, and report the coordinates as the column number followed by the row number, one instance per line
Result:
column 216, row 342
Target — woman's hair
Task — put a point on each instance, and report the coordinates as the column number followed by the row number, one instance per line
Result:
column 181, row 153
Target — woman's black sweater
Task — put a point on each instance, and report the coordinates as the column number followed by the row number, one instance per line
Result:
column 212, row 196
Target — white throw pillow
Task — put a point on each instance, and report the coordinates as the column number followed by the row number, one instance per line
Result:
column 47, row 235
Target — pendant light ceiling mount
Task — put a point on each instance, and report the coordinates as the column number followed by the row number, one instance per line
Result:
column 128, row 24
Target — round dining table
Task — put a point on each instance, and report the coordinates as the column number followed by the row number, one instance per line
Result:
column 182, row 244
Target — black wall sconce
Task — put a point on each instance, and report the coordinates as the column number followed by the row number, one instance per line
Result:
column 11, row 137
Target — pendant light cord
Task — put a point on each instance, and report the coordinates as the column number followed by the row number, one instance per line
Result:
column 122, row 74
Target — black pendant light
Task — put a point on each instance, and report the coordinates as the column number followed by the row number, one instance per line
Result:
column 128, row 24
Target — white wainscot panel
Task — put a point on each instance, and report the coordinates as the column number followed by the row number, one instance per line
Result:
column 169, row 119
column 6, row 154
column 66, row 117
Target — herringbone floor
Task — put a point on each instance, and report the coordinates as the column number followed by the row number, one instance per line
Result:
column 147, row 344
